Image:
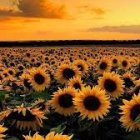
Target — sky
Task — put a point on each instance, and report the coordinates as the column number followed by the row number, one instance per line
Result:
column 69, row 19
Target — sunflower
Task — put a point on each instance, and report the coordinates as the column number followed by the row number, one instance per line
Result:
column 50, row 136
column 11, row 71
column 39, row 79
column 36, row 136
column 24, row 117
column 130, row 112
column 53, row 136
column 6, row 74
column 124, row 64
column 104, row 65
column 115, row 61
column 1, row 77
column 25, row 80
column 42, row 105
column 137, row 87
column 76, row 83
column 92, row 103
column 128, row 79
column 112, row 84
column 62, row 101
column 81, row 65
column 65, row 72
column 20, row 67
column 2, row 130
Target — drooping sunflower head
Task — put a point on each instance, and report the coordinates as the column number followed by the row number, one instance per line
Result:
column 112, row 84
column 62, row 101
column 104, row 65
column 25, row 80
column 2, row 131
column 65, row 72
column 42, row 105
column 129, row 113
column 76, row 83
column 128, row 79
column 92, row 103
column 137, row 87
column 81, row 65
column 39, row 79
column 24, row 117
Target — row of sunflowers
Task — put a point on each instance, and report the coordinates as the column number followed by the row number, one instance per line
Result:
column 70, row 93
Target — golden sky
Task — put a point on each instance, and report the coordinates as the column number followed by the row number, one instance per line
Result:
column 69, row 19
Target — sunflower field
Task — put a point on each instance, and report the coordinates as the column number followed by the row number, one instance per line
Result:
column 70, row 93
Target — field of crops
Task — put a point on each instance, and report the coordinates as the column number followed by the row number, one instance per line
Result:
column 70, row 93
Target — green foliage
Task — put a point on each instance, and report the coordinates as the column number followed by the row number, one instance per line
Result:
column 2, row 95
column 42, row 95
column 137, row 120
column 59, row 129
column 133, row 136
column 12, row 138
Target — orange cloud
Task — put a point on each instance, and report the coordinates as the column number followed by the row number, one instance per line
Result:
column 92, row 10
column 35, row 9
column 120, row 29
column 98, row 11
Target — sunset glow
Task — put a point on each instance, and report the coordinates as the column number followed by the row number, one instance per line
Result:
column 69, row 19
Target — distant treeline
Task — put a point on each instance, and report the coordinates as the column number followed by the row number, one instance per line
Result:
column 68, row 42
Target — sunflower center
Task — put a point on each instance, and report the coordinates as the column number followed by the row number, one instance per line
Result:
column 19, row 116
column 65, row 100
column 124, row 63
column 20, row 68
column 5, row 74
column 128, row 82
column 77, row 86
column 68, row 73
column 103, row 66
column 135, row 111
column 12, row 64
column 115, row 61
column 11, row 72
column 0, row 77
column 80, row 67
column 91, row 103
column 110, row 85
column 39, row 79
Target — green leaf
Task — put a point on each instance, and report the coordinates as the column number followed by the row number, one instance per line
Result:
column 2, row 95
column 59, row 129
column 137, row 120
column 133, row 136
column 43, row 95
column 12, row 138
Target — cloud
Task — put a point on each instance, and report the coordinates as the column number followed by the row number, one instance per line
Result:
column 35, row 9
column 93, row 10
column 120, row 29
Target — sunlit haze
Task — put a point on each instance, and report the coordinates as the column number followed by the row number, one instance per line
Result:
column 69, row 19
